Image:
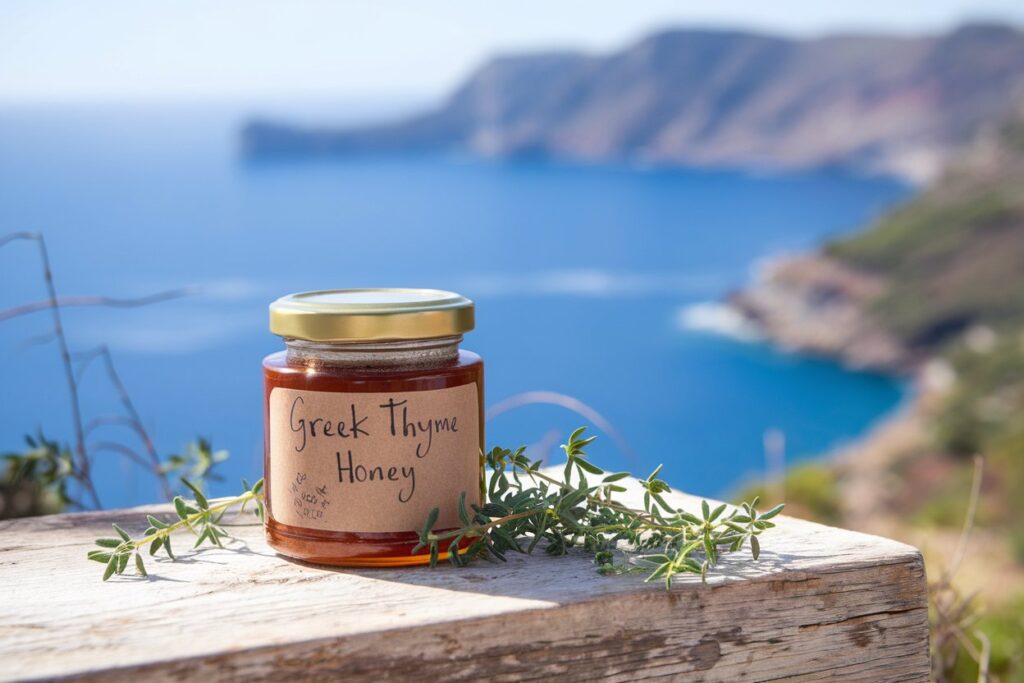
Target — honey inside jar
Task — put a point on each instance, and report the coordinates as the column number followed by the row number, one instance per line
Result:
column 373, row 416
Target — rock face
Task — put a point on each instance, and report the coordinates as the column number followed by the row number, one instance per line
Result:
column 818, row 305
column 714, row 98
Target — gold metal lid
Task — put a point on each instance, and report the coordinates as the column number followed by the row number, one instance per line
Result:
column 371, row 314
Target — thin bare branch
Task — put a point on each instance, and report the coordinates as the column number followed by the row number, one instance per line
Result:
column 136, row 421
column 54, row 304
column 42, row 305
column 38, row 340
column 984, row 656
column 972, row 510
column 10, row 237
column 58, row 330
column 954, row 614
column 105, row 420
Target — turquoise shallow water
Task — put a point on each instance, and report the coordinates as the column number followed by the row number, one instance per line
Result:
column 580, row 275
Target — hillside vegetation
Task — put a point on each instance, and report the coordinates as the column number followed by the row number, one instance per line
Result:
column 953, row 257
column 946, row 276
column 953, row 264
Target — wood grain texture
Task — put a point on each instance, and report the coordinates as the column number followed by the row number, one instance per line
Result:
column 821, row 603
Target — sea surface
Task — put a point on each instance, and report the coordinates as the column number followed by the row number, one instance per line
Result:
column 591, row 282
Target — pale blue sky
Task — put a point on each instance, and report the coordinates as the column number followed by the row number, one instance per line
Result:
column 70, row 50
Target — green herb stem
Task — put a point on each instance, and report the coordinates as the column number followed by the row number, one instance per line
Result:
column 216, row 505
column 201, row 517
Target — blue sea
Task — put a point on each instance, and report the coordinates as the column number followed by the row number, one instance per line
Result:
column 582, row 276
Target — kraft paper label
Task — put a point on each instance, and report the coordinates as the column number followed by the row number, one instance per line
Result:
column 373, row 462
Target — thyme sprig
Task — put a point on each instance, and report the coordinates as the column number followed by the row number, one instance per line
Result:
column 525, row 506
column 202, row 517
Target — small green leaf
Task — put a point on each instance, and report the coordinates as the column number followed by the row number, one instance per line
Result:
column 153, row 521
column 716, row 513
column 709, row 547
column 453, row 552
column 431, row 521
column 111, row 567
column 688, row 517
column 463, row 515
column 575, row 436
column 200, row 498
column 121, row 532
column 660, row 571
column 662, row 502
column 755, row 547
column 108, row 542
column 588, row 466
column 735, row 527
column 139, row 565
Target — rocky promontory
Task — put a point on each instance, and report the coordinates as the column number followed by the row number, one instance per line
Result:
column 941, row 270
column 815, row 304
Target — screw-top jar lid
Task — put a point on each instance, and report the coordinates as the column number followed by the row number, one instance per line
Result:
column 342, row 315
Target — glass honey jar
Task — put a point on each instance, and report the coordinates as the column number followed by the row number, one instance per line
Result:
column 373, row 416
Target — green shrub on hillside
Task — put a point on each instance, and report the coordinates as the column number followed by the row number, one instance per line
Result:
column 985, row 414
column 950, row 261
column 989, row 398
column 954, row 255
column 932, row 228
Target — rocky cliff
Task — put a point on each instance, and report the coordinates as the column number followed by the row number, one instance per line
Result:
column 875, row 103
column 939, row 270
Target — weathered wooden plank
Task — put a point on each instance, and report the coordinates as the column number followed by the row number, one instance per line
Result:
column 821, row 603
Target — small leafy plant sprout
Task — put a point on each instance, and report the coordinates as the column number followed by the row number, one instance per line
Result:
column 526, row 507
column 201, row 517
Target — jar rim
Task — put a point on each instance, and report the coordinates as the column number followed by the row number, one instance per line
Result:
column 371, row 314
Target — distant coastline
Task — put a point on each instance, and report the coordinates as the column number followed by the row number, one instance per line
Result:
column 875, row 104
